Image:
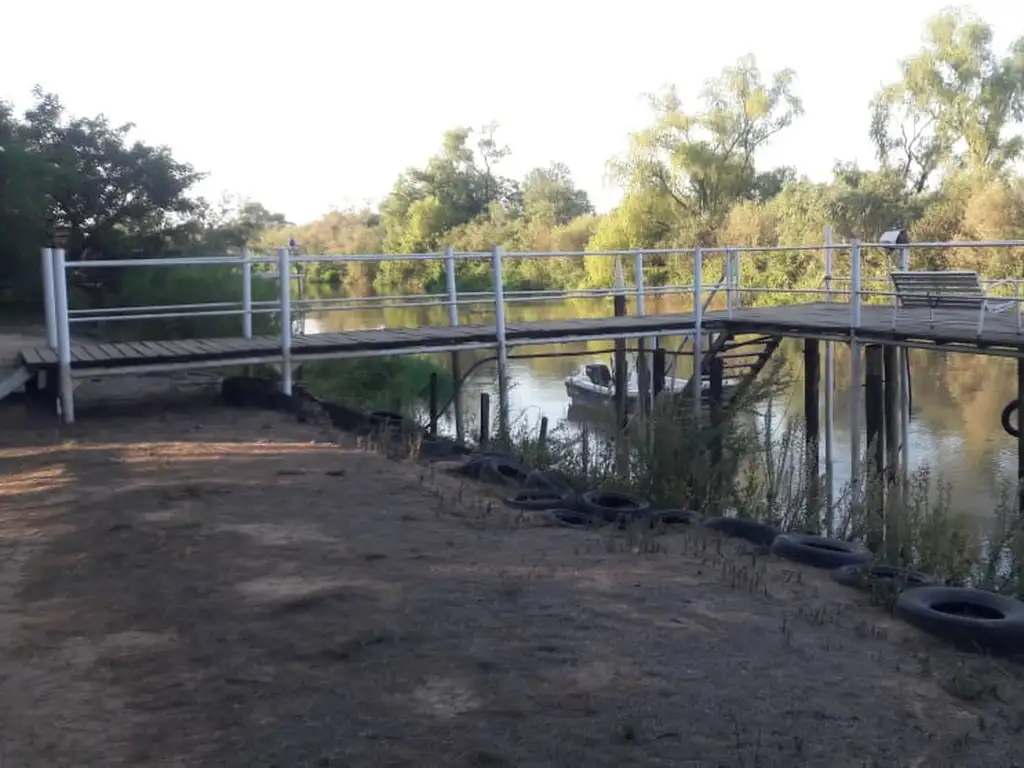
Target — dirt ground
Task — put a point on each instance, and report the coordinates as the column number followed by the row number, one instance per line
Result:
column 202, row 586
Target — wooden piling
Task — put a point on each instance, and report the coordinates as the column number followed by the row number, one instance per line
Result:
column 891, row 397
column 643, row 379
column 621, row 395
column 433, row 403
column 716, row 387
column 485, row 419
column 874, row 417
column 812, row 422
column 658, row 379
column 543, row 439
column 460, row 427
column 874, row 408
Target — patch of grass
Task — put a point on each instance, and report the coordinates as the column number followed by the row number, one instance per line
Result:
column 752, row 467
column 399, row 384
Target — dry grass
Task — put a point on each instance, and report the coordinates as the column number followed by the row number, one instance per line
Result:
column 209, row 587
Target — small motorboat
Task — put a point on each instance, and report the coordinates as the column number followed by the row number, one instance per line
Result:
column 594, row 384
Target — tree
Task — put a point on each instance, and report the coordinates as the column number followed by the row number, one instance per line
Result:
column 103, row 188
column 551, row 197
column 705, row 161
column 953, row 104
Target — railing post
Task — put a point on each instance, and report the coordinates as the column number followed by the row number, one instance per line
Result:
column 453, row 321
column 728, row 282
column 904, row 376
column 737, row 272
column 642, row 367
column 830, row 407
column 284, row 275
column 855, row 290
column 698, row 322
column 499, row 328
column 48, row 306
column 246, row 294
column 60, row 300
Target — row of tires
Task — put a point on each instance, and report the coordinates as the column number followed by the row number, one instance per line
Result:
column 972, row 619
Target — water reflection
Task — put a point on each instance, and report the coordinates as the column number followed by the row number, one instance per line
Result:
column 957, row 399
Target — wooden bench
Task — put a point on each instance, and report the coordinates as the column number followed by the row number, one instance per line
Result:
column 957, row 289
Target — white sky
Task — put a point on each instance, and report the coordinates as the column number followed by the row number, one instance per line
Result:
column 310, row 103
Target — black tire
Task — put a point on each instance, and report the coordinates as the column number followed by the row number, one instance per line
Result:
column 971, row 619
column 1011, row 430
column 819, row 551
column 393, row 422
column 614, row 506
column 345, row 418
column 571, row 518
column 475, row 462
column 863, row 576
column 749, row 530
column 676, row 517
column 541, row 498
column 500, row 470
column 249, row 392
column 539, row 478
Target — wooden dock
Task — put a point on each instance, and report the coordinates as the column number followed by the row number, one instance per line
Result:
column 951, row 329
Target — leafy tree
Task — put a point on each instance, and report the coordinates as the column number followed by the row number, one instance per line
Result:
column 704, row 161
column 104, row 188
column 953, row 104
column 551, row 197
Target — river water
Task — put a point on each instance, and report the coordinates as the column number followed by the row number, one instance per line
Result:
column 957, row 399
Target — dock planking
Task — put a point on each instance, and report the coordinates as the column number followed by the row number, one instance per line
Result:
column 951, row 328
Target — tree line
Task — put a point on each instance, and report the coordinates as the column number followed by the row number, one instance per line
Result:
column 946, row 134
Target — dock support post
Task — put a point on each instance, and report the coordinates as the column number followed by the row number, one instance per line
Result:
column 904, row 376
column 485, row 419
column 812, row 440
column 60, row 302
column 499, row 325
column 891, row 371
column 716, row 387
column 621, row 378
column 453, row 321
column 698, row 322
column 542, row 439
column 432, row 401
column 856, row 485
column 284, row 280
column 246, row 294
column 874, row 416
column 643, row 378
column 830, row 379
column 48, row 301
column 658, row 379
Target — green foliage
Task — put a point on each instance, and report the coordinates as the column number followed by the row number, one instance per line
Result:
column 945, row 133
column 377, row 383
column 166, row 286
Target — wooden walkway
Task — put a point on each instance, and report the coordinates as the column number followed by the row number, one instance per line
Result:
column 951, row 330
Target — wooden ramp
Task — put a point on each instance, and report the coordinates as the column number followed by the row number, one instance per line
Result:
column 950, row 329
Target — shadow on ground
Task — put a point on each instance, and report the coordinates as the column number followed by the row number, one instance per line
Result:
column 211, row 587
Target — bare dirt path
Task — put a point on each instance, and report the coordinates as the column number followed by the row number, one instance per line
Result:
column 208, row 587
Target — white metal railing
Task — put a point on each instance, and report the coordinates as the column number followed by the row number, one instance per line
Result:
column 854, row 288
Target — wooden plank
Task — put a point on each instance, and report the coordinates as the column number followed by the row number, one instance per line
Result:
column 33, row 356
column 110, row 351
column 136, row 351
column 82, row 353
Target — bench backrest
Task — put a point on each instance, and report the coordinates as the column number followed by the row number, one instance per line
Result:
column 952, row 289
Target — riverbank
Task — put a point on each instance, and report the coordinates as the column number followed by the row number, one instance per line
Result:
column 207, row 586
